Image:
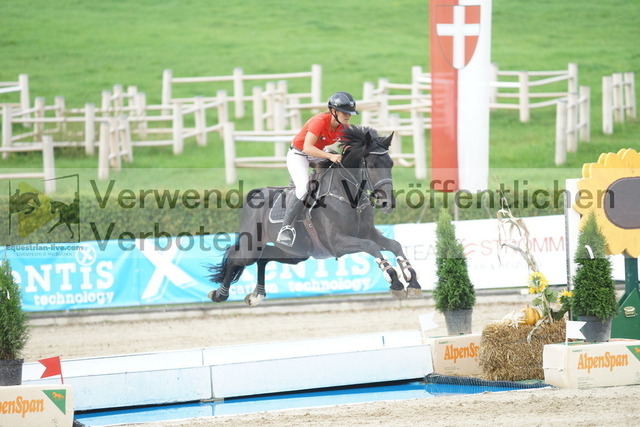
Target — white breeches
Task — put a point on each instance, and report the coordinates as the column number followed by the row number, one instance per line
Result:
column 298, row 166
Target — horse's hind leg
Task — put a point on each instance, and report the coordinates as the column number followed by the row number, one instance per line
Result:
column 229, row 271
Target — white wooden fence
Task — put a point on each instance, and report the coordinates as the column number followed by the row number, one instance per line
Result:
column 238, row 79
column 21, row 86
column 618, row 99
column 48, row 173
column 522, row 85
column 280, row 139
column 573, row 123
column 78, row 127
column 405, row 110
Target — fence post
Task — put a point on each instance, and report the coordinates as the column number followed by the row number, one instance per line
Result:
column 141, row 104
column 418, row 144
column 607, row 107
column 23, row 81
column 103, row 151
column 269, row 96
column 383, row 98
column 223, row 108
column 115, row 161
column 523, row 80
column 124, row 138
column 630, row 94
column 59, row 108
column 258, row 110
column 618, row 113
column 561, row 132
column 105, row 106
column 89, row 128
column 584, row 114
column 573, row 77
column 38, row 105
column 178, row 142
column 48, row 165
column 229, row 152
column 238, row 92
column 117, row 100
column 167, row 75
column 572, row 122
column 6, row 128
column 367, row 95
column 200, row 122
column 316, row 85
column 279, row 112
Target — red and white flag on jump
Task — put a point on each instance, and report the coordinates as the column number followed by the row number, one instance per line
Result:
column 460, row 32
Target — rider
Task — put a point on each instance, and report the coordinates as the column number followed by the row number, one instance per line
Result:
column 320, row 131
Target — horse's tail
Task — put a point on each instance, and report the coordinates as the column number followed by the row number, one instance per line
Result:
column 219, row 271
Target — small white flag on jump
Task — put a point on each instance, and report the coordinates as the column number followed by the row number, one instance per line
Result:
column 573, row 330
column 426, row 321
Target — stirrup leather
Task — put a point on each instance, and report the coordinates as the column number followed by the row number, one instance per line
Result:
column 283, row 236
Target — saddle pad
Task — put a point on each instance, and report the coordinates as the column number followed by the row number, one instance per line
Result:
column 276, row 213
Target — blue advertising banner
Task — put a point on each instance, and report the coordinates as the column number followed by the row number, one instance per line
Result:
column 121, row 273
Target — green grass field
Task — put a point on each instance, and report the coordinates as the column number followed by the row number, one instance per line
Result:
column 77, row 49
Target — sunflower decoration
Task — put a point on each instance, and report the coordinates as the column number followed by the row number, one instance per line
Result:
column 552, row 305
column 611, row 188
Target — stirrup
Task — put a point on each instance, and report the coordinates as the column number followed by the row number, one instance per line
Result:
column 286, row 236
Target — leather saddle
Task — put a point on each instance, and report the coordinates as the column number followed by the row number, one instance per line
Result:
column 305, row 230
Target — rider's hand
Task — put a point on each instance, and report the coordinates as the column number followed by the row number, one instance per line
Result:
column 335, row 158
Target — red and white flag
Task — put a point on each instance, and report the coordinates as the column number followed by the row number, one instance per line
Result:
column 52, row 367
column 460, row 71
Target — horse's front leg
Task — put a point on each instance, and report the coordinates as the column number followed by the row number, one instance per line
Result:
column 259, row 293
column 349, row 244
column 408, row 273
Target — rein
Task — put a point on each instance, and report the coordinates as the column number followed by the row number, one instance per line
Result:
column 369, row 190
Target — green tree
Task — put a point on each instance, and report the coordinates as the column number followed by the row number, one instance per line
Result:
column 594, row 288
column 454, row 290
column 14, row 328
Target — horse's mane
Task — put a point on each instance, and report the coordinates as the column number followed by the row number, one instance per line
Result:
column 356, row 144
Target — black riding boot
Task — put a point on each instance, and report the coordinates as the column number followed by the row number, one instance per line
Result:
column 287, row 234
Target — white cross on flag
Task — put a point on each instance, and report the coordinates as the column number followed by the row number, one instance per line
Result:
column 460, row 72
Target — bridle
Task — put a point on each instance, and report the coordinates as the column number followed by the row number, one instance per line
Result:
column 369, row 189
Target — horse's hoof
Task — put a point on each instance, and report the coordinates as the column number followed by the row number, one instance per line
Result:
column 253, row 299
column 414, row 293
column 398, row 294
column 215, row 297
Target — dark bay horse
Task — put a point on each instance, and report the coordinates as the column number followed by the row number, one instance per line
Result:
column 338, row 220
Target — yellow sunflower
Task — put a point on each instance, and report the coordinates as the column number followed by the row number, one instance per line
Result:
column 611, row 188
column 537, row 283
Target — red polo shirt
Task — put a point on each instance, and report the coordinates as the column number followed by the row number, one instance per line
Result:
column 319, row 125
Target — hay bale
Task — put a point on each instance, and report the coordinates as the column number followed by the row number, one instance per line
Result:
column 505, row 354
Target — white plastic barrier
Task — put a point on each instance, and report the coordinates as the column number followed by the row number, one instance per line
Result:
column 220, row 372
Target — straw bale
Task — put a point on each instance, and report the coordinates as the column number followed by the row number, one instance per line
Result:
column 505, row 354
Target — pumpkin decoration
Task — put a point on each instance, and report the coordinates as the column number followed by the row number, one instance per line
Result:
column 530, row 316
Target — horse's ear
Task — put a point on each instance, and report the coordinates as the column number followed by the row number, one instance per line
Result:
column 367, row 139
column 387, row 141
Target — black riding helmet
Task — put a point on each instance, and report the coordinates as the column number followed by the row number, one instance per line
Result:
column 343, row 101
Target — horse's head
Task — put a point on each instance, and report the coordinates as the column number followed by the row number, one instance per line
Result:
column 370, row 152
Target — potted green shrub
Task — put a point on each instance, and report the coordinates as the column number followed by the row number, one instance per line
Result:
column 14, row 328
column 454, row 294
column 594, row 298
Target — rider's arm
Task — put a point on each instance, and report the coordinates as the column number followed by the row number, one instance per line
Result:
column 310, row 148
